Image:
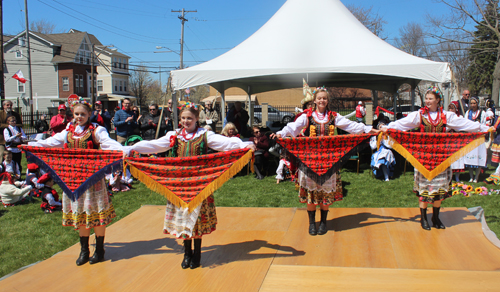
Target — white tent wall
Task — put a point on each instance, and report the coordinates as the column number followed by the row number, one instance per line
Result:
column 319, row 40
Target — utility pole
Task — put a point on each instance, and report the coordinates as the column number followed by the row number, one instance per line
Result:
column 29, row 59
column 2, row 81
column 183, row 20
column 92, row 98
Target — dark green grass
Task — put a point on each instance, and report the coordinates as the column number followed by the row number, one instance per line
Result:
column 28, row 235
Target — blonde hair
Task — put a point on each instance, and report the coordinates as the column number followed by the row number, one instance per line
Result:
column 226, row 129
column 316, row 92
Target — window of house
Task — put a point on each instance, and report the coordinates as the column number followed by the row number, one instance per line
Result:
column 124, row 85
column 19, row 54
column 82, row 57
column 114, row 62
column 116, row 86
column 119, row 62
column 125, row 64
column 65, row 83
column 99, row 85
column 121, row 86
column 87, row 57
column 21, row 41
column 77, row 83
column 81, row 82
column 20, row 87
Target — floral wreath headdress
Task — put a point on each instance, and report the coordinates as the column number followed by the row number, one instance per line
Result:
column 435, row 90
column 189, row 104
column 80, row 100
column 322, row 88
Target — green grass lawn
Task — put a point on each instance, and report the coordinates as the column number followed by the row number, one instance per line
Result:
column 28, row 235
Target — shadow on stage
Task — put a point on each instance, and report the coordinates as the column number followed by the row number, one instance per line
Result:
column 449, row 218
column 116, row 251
column 358, row 221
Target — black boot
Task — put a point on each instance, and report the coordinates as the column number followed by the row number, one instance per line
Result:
column 322, row 224
column 188, row 253
column 195, row 262
column 423, row 219
column 435, row 219
column 85, row 252
column 312, row 222
column 99, row 250
column 258, row 175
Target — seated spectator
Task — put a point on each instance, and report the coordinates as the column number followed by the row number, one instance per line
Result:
column 118, row 183
column 286, row 170
column 10, row 194
column 262, row 144
column 230, row 131
column 383, row 161
column 32, row 180
column 50, row 198
column 10, row 166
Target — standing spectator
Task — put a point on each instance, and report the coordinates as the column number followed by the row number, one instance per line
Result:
column 239, row 117
column 59, row 122
column 168, row 116
column 360, row 112
column 41, row 125
column 104, row 114
column 125, row 122
column 7, row 112
column 476, row 159
column 209, row 116
column 464, row 102
column 14, row 136
column 149, row 124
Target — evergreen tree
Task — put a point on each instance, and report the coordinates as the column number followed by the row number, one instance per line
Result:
column 483, row 54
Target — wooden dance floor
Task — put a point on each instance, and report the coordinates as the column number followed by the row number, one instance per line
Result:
column 268, row 249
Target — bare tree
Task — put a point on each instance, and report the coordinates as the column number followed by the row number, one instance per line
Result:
column 43, row 26
column 371, row 20
column 412, row 40
column 455, row 28
column 140, row 84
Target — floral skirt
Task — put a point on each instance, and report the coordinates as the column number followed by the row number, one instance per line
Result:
column 495, row 149
column 322, row 196
column 92, row 209
column 437, row 189
column 206, row 220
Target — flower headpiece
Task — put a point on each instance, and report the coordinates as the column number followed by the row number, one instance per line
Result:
column 322, row 88
column 80, row 100
column 308, row 93
column 435, row 90
column 190, row 105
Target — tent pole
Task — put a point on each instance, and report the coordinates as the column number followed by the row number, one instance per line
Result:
column 375, row 98
column 412, row 92
column 250, row 106
column 223, row 104
column 395, row 103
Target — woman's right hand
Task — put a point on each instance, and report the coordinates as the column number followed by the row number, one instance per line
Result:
column 384, row 129
column 274, row 136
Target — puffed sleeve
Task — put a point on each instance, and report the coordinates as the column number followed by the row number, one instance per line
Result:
column 462, row 124
column 279, row 171
column 411, row 121
column 56, row 141
column 222, row 143
column 105, row 141
column 293, row 128
column 351, row 126
column 154, row 146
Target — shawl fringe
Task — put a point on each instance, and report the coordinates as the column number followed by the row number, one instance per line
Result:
column 203, row 195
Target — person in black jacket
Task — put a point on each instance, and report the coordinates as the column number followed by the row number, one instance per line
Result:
column 41, row 125
column 149, row 124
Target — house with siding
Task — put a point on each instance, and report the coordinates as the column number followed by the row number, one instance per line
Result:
column 60, row 66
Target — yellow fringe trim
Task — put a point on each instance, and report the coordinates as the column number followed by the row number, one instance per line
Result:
column 207, row 191
column 429, row 175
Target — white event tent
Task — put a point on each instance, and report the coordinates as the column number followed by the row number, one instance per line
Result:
column 319, row 40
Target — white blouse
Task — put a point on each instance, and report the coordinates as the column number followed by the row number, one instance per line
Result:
column 215, row 141
column 453, row 122
column 58, row 140
column 293, row 129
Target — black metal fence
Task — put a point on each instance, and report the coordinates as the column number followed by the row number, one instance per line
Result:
column 29, row 123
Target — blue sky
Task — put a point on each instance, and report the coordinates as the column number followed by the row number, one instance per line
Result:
column 136, row 27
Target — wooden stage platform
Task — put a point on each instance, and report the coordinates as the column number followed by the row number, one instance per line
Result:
column 268, row 249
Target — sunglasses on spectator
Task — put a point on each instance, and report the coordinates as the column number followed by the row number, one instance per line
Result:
column 467, row 94
column 152, row 109
column 255, row 132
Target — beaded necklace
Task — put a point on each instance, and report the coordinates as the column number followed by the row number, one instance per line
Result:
column 184, row 133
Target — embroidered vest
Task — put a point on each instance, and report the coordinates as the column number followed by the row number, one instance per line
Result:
column 429, row 127
column 84, row 140
column 478, row 118
column 315, row 128
column 193, row 147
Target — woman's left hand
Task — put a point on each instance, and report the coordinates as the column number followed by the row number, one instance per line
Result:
column 492, row 129
column 373, row 131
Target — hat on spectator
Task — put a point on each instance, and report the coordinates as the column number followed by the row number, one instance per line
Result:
column 98, row 102
column 61, row 107
column 44, row 178
column 360, row 102
column 32, row 167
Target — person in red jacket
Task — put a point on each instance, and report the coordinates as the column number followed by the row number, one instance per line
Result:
column 360, row 112
column 59, row 122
